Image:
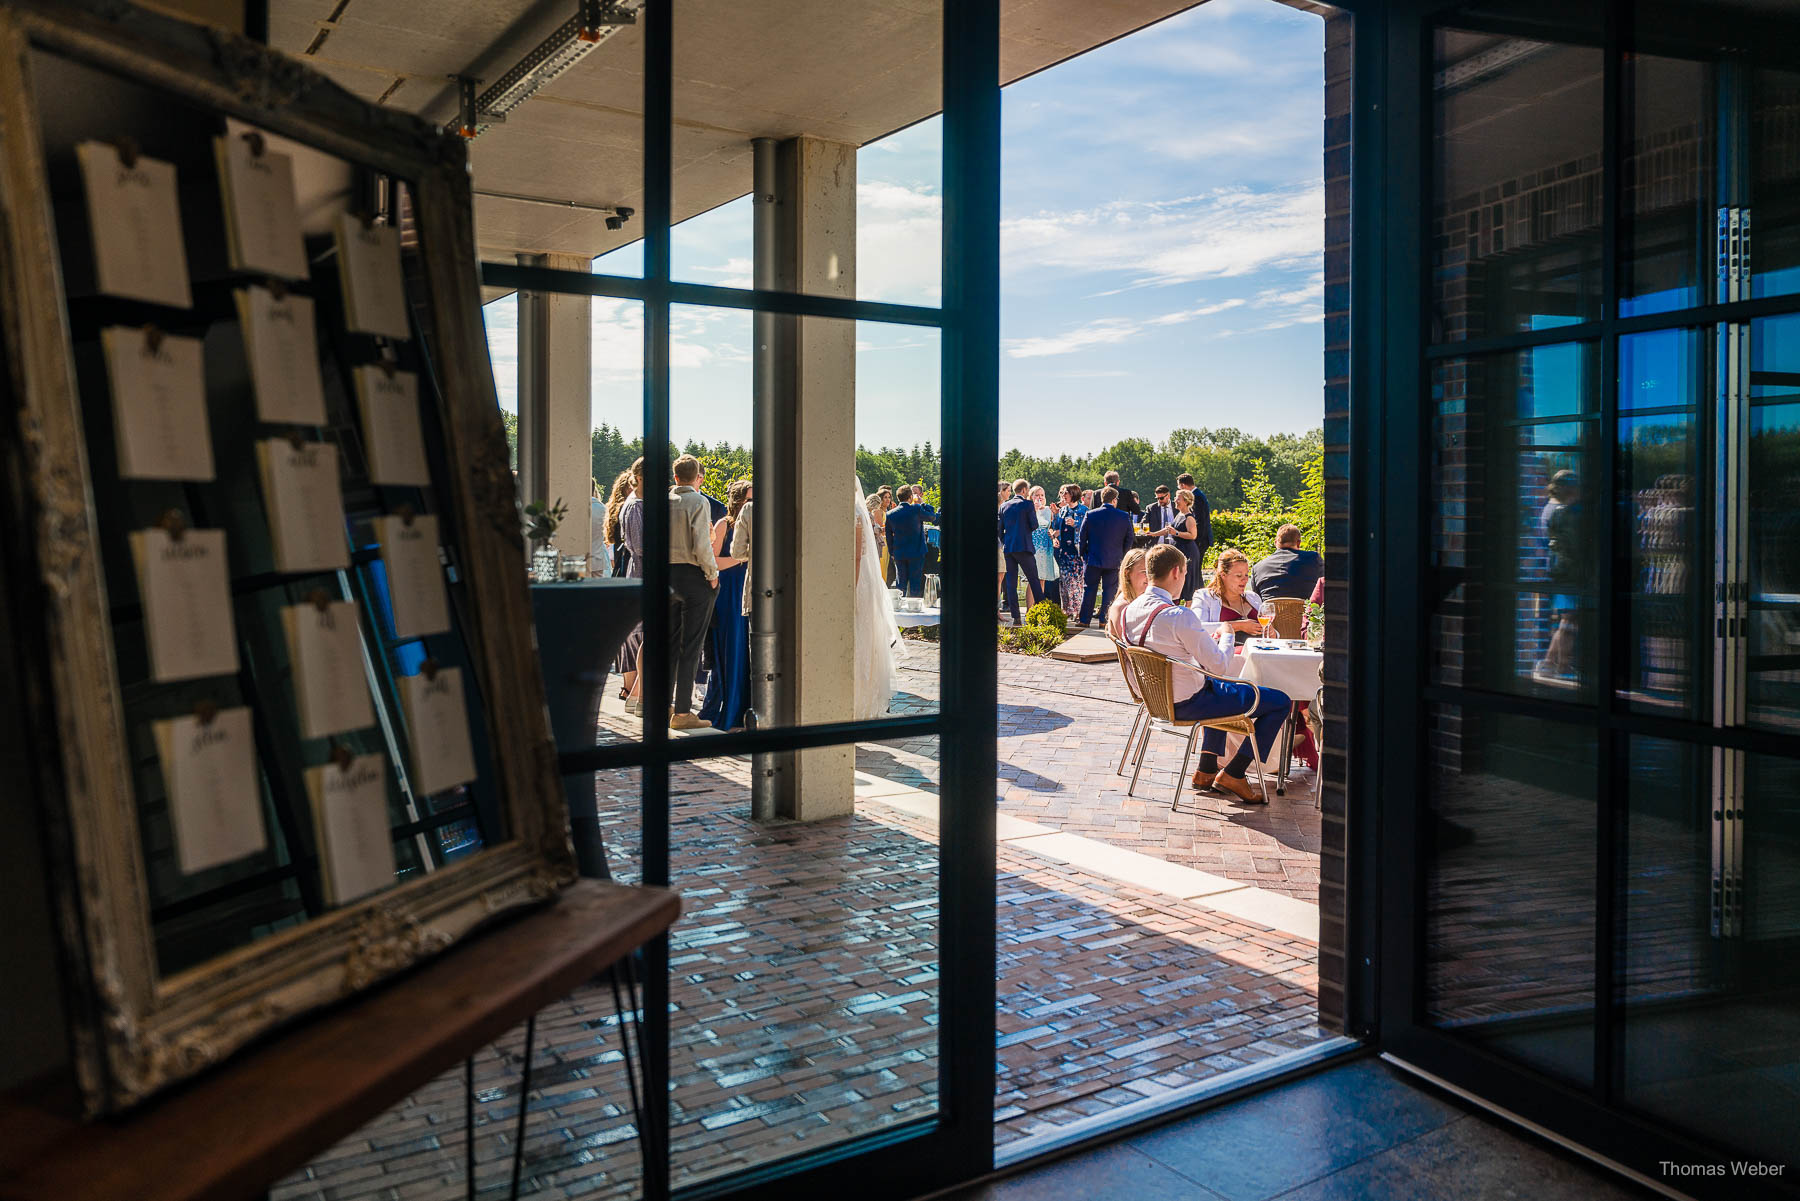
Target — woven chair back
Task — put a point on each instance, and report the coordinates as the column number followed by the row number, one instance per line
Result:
column 1290, row 616
column 1131, row 684
column 1155, row 684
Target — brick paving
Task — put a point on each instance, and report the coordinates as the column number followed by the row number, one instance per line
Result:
column 804, row 999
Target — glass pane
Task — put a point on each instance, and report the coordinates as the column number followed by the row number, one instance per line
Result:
column 1516, row 181
column 1773, row 527
column 1512, row 537
column 1711, row 1020
column 1668, row 157
column 1775, row 176
column 857, row 144
column 805, row 967
column 556, row 153
column 1509, row 926
column 1668, row 594
column 854, row 586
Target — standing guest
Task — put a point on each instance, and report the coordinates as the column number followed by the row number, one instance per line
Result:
column 1134, row 577
column 905, row 525
column 1069, row 568
column 599, row 557
column 878, row 526
column 615, row 537
column 1160, row 515
column 728, row 687
column 1290, row 571
column 693, row 575
column 1087, row 498
column 1202, row 521
column 1227, row 597
column 1155, row 621
column 631, row 534
column 1186, row 537
column 1105, row 537
column 886, row 493
column 1043, row 542
column 1128, row 500
column 1000, row 544
column 1018, row 522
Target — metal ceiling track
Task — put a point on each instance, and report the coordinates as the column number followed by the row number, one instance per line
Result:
column 594, row 21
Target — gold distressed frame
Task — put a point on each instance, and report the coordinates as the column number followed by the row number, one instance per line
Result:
column 137, row 1032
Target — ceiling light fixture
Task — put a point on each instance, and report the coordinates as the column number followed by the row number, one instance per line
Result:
column 594, row 21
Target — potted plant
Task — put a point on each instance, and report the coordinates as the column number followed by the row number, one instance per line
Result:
column 541, row 521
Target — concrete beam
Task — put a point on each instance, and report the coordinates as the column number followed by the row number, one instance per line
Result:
column 555, row 400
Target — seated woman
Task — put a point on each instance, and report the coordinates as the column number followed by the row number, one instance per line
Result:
column 1134, row 577
column 1227, row 596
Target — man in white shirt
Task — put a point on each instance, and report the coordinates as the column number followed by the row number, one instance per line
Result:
column 693, row 575
column 1155, row 621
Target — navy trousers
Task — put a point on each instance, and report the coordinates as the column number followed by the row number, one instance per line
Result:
column 1105, row 581
column 909, row 575
column 1231, row 698
column 1017, row 561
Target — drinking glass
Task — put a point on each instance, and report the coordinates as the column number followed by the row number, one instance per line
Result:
column 1264, row 618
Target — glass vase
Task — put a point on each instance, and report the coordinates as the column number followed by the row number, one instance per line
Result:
column 544, row 564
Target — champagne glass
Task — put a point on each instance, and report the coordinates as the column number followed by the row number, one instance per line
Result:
column 1263, row 618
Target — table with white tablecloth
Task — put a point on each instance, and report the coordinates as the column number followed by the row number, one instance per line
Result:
column 1292, row 669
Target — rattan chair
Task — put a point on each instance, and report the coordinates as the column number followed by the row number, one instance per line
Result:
column 1137, row 718
column 1155, row 679
column 1290, row 616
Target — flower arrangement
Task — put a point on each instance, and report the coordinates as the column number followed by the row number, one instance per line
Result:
column 542, row 519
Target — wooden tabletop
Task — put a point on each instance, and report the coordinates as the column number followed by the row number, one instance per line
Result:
column 265, row 1113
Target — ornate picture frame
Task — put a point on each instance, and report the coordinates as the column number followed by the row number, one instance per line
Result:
column 137, row 1030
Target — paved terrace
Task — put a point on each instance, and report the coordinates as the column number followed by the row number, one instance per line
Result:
column 1140, row 951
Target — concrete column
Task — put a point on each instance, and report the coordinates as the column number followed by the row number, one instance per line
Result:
column 806, row 425
column 555, row 398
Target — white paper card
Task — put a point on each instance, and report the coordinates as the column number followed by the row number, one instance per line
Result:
column 187, row 603
column 215, row 801
column 325, row 647
column 369, row 269
column 284, row 356
column 135, row 216
column 415, row 578
column 262, row 226
column 159, row 405
column 438, row 726
column 356, row 851
column 392, row 440
column 305, row 506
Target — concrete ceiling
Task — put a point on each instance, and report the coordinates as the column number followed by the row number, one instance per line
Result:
column 846, row 70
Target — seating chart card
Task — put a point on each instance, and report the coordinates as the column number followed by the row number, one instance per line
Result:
column 392, row 440
column 215, row 795
column 159, row 404
column 409, row 553
column 187, row 603
column 262, row 226
column 438, row 727
column 350, row 819
column 134, row 215
column 369, row 269
column 306, row 508
column 325, row 646
column 283, row 354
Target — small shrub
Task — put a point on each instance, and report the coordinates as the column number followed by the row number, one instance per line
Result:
column 1047, row 614
column 1041, row 633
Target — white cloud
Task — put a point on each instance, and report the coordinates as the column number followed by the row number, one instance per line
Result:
column 733, row 273
column 899, row 239
column 1224, row 233
column 1108, row 331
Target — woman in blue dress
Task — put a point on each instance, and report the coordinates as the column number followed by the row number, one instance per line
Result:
column 1067, row 528
column 728, row 687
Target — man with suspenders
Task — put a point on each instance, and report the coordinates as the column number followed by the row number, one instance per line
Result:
column 1156, row 622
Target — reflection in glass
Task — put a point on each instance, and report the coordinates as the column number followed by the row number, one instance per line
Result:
column 1775, row 179
column 1773, row 525
column 1516, row 203
column 1711, row 1001
column 1509, row 900
column 1512, row 529
column 1668, row 162
column 1658, row 457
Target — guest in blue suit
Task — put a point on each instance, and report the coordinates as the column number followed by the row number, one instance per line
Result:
column 1018, row 522
column 1106, row 534
column 905, row 524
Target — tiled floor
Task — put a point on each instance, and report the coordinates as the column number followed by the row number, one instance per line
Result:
column 1359, row 1132
column 804, row 969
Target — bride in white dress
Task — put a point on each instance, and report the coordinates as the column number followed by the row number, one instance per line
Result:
column 876, row 634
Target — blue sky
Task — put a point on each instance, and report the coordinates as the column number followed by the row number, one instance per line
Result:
column 1162, row 214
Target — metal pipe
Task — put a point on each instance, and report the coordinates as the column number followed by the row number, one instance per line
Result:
column 545, row 200
column 772, row 515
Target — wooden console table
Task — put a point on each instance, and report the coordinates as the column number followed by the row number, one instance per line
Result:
column 229, row 1134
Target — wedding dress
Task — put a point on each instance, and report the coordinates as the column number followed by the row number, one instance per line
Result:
column 877, row 636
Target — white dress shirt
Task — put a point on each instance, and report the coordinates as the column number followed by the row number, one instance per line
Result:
column 690, row 530
column 1210, row 605
column 1178, row 633
column 1168, row 517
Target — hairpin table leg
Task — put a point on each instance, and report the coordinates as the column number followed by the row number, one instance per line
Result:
column 524, row 1096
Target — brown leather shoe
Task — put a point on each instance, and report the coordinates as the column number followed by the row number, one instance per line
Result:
column 1203, row 780
column 1240, row 788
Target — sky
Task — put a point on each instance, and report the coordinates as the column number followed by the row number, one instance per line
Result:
column 1162, row 214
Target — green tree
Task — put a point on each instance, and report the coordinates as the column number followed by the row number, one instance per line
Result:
column 1309, row 508
column 510, row 423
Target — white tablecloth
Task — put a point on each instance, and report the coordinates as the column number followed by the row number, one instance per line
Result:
column 930, row 617
column 1295, row 672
